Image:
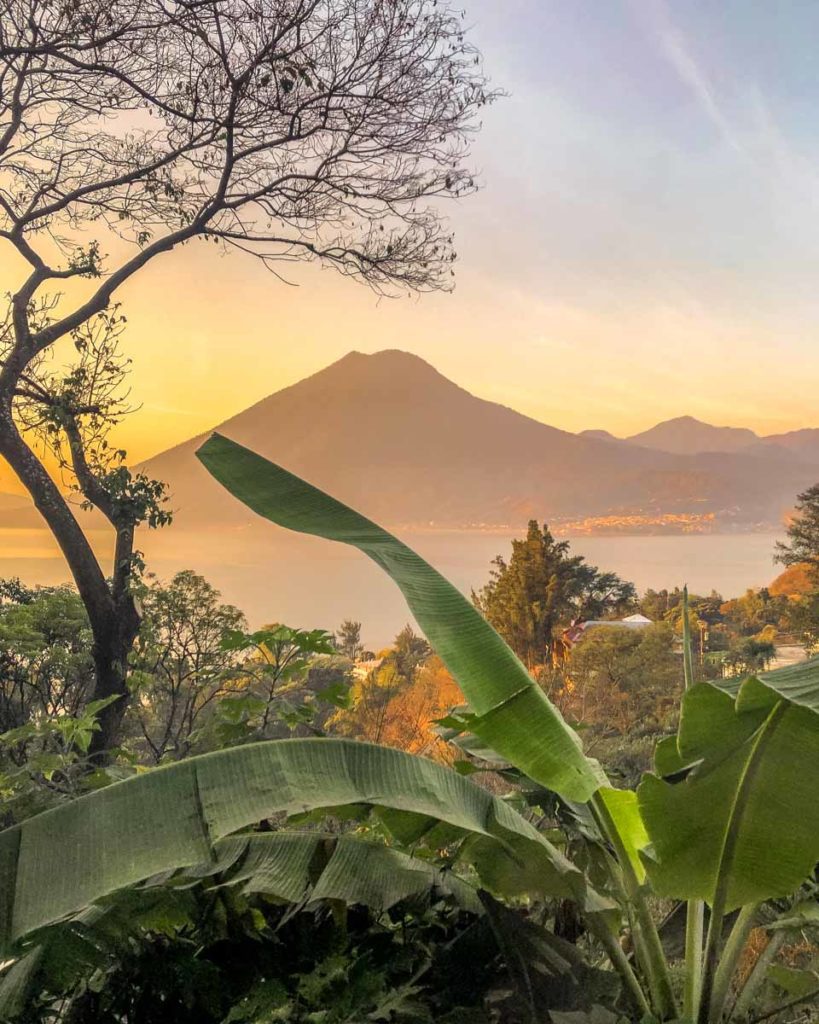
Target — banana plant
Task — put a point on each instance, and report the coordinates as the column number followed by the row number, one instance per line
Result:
column 728, row 820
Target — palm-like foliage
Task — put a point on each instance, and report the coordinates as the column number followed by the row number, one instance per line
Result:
column 729, row 817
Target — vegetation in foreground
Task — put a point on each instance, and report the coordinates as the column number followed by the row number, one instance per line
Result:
column 692, row 897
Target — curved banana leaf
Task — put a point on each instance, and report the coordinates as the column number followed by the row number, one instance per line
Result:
column 798, row 683
column 512, row 714
column 56, row 863
column 303, row 868
column 741, row 821
column 310, row 867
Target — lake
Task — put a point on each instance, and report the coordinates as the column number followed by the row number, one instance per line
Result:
column 274, row 575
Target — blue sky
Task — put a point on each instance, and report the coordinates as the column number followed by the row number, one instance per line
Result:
column 655, row 170
column 671, row 142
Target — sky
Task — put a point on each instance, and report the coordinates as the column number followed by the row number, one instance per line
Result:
column 645, row 245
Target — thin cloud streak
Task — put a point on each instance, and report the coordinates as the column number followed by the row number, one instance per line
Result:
column 756, row 136
column 678, row 54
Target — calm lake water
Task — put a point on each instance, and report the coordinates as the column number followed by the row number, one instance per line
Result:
column 278, row 576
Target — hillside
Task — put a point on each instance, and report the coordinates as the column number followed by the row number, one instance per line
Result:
column 802, row 444
column 598, row 435
column 685, row 435
column 392, row 436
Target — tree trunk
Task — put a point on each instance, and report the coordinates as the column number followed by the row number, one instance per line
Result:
column 112, row 646
column 114, row 622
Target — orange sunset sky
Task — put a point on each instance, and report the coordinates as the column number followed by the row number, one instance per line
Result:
column 646, row 243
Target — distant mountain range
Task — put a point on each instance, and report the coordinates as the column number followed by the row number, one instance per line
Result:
column 686, row 435
column 390, row 435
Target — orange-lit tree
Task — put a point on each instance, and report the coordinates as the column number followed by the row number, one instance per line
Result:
column 402, row 713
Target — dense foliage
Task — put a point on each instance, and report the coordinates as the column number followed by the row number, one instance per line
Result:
column 542, row 589
column 323, row 879
column 200, row 956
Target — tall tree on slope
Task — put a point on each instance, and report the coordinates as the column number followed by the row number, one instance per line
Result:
column 287, row 129
column 803, row 534
column 541, row 589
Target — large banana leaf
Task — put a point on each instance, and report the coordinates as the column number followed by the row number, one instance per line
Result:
column 309, row 867
column 741, row 821
column 304, row 868
column 797, row 683
column 513, row 715
column 58, row 862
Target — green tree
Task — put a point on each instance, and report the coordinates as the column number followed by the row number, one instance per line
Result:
column 755, row 610
column 367, row 716
column 803, row 534
column 409, row 652
column 541, row 589
column 624, row 686
column 667, row 604
column 801, row 613
column 46, row 677
column 14, row 591
column 802, row 618
column 655, row 604
column 46, row 668
column 180, row 667
column 327, row 685
column 750, row 654
column 271, row 693
column 621, row 677
column 348, row 640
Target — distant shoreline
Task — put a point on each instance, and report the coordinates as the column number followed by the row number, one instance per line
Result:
column 274, row 575
column 676, row 525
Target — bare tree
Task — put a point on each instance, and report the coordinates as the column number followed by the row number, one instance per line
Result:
column 323, row 130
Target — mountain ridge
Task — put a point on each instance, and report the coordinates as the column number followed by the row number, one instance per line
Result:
column 686, row 435
column 389, row 434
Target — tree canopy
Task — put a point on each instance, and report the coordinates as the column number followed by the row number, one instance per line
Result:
column 543, row 588
column 803, row 534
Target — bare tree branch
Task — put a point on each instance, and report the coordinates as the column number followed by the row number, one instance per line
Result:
column 290, row 130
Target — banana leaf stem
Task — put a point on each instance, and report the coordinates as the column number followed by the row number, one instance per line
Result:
column 694, row 935
column 620, row 963
column 649, row 947
column 695, row 909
